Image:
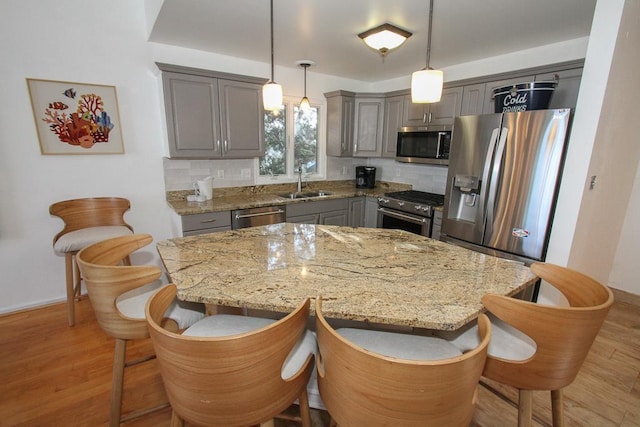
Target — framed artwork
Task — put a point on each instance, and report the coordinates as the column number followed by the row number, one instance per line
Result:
column 76, row 118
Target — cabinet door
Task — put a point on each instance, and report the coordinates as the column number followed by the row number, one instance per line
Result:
column 369, row 116
column 443, row 112
column 371, row 212
column 191, row 104
column 489, row 105
column 438, row 113
column 566, row 93
column 414, row 114
column 391, row 125
column 241, row 119
column 209, row 222
column 340, row 112
column 340, row 217
column 304, row 219
column 356, row 211
column 473, row 99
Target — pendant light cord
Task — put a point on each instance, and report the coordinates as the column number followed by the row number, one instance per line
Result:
column 305, row 79
column 428, row 34
column 272, row 41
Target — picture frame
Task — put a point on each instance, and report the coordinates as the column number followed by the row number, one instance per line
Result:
column 76, row 118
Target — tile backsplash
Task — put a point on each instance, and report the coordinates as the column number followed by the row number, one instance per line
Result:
column 182, row 174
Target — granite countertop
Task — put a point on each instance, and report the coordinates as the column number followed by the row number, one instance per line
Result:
column 225, row 199
column 372, row 275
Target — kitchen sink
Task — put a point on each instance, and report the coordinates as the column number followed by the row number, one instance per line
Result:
column 307, row 195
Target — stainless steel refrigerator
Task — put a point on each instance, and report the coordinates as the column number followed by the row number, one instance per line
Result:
column 502, row 183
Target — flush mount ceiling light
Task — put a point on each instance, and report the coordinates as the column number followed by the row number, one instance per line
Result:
column 426, row 84
column 272, row 91
column 384, row 38
column 305, row 105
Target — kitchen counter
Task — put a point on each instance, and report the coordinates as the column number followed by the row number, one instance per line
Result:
column 226, row 199
column 380, row 276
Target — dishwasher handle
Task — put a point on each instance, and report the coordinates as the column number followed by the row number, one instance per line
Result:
column 239, row 216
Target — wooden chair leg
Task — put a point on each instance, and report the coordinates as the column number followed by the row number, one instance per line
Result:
column 332, row 422
column 68, row 263
column 557, row 409
column 77, row 284
column 119, row 356
column 176, row 421
column 305, row 413
column 525, row 408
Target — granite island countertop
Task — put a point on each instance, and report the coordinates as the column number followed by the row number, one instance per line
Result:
column 381, row 276
column 226, row 199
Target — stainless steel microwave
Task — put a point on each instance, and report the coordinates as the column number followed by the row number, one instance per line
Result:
column 428, row 145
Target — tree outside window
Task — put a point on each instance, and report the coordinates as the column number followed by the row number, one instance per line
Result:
column 290, row 124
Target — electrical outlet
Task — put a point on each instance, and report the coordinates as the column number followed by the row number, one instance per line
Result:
column 344, row 170
column 220, row 174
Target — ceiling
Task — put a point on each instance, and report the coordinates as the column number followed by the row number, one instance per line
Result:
column 325, row 31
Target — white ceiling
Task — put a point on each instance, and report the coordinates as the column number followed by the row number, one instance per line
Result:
column 325, row 31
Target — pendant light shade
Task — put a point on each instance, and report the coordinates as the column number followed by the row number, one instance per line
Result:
column 272, row 91
column 305, row 105
column 426, row 84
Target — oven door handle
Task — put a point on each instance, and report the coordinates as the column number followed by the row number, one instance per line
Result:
column 410, row 218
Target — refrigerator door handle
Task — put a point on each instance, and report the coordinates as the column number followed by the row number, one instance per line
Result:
column 495, row 175
column 490, row 156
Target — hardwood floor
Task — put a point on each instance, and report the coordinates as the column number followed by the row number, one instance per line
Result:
column 54, row 375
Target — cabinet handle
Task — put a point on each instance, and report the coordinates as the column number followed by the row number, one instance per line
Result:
column 226, row 147
column 429, row 116
column 207, row 221
column 424, row 117
column 218, row 146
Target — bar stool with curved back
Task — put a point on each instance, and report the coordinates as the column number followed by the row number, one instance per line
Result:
column 542, row 347
column 361, row 386
column 118, row 295
column 86, row 221
column 229, row 370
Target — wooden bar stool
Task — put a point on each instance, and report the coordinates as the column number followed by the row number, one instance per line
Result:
column 86, row 221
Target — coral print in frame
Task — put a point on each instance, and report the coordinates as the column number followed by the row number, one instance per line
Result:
column 76, row 118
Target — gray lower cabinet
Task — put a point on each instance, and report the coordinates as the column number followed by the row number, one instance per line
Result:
column 328, row 212
column 212, row 115
column 371, row 212
column 437, row 224
column 210, row 222
column 356, row 211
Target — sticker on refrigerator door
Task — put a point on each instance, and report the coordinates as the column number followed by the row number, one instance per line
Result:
column 519, row 232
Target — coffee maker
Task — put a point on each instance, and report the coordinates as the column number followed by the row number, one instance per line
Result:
column 365, row 177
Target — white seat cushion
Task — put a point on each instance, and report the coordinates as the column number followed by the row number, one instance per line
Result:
column 221, row 325
column 132, row 304
column 78, row 239
column 506, row 342
column 403, row 346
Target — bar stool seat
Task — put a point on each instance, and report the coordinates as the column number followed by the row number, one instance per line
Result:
column 76, row 240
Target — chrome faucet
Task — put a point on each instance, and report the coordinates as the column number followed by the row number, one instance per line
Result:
column 299, row 179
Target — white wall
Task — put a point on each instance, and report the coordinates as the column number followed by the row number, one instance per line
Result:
column 79, row 42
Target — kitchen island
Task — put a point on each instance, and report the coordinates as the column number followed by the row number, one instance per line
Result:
column 380, row 276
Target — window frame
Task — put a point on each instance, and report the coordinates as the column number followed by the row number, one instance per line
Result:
column 290, row 175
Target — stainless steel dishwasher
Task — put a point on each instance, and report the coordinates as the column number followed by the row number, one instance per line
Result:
column 253, row 217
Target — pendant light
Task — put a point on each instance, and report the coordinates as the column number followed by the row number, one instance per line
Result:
column 305, row 105
column 272, row 91
column 426, row 84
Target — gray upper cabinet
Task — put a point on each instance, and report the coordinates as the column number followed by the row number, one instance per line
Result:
column 566, row 93
column 212, row 115
column 393, row 108
column 438, row 113
column 340, row 120
column 473, row 99
column 369, row 117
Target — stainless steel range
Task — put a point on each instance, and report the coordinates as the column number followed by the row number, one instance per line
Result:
column 408, row 210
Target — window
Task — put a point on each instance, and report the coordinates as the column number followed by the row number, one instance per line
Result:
column 292, row 141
